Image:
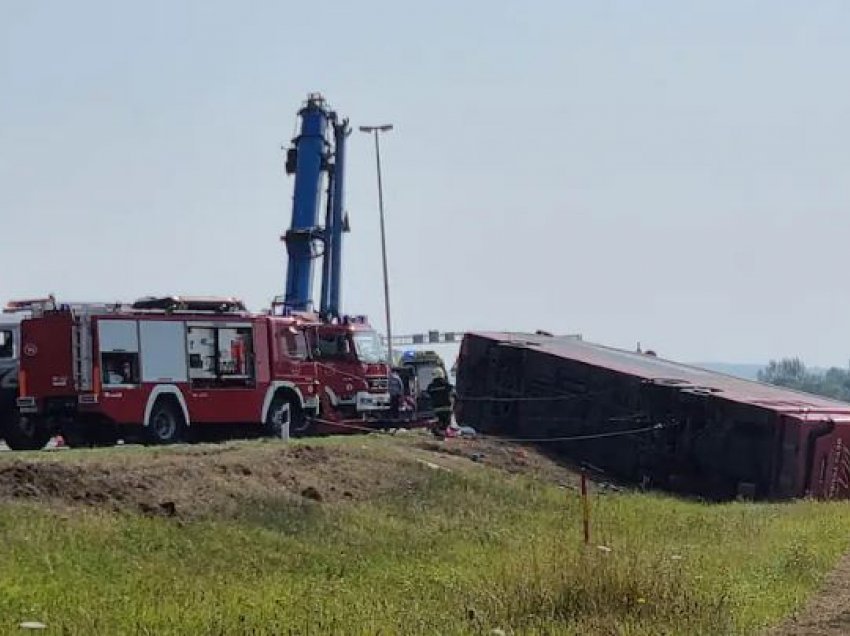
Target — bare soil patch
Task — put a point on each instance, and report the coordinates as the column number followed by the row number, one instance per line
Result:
column 217, row 479
column 828, row 612
column 196, row 481
column 504, row 455
column 535, row 460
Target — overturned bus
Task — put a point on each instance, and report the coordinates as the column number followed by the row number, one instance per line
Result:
column 654, row 421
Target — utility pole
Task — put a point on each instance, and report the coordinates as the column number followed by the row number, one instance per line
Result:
column 376, row 130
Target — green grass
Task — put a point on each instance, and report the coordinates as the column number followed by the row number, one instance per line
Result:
column 469, row 552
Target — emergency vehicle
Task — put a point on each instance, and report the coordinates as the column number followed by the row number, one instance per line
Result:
column 423, row 366
column 9, row 353
column 16, row 430
column 163, row 368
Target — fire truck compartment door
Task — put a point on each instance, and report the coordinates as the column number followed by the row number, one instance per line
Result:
column 163, row 351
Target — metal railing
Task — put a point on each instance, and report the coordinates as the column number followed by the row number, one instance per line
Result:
column 428, row 337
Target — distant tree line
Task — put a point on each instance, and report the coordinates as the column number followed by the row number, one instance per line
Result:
column 793, row 374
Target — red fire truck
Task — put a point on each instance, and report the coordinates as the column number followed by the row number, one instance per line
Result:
column 164, row 368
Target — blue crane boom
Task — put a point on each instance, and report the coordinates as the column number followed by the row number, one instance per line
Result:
column 338, row 224
column 315, row 154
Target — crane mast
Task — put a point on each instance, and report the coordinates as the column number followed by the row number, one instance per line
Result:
column 317, row 159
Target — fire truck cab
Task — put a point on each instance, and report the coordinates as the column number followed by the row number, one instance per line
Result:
column 344, row 355
column 163, row 367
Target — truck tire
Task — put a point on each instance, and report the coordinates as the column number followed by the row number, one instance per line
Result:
column 25, row 433
column 285, row 408
column 166, row 425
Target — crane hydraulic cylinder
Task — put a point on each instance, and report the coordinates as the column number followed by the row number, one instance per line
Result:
column 307, row 159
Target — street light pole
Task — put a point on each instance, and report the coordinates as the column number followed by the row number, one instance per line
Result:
column 375, row 130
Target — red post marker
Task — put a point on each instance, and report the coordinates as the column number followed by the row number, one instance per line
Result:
column 585, row 505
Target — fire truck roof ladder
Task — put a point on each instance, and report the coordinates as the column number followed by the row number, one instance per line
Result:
column 192, row 304
column 30, row 304
column 38, row 306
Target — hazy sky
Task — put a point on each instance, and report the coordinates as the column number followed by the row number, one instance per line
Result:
column 670, row 172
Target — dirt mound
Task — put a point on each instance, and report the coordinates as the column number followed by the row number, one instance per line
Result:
column 509, row 456
column 219, row 480
column 196, row 481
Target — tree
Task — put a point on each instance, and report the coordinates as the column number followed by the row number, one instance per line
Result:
column 789, row 372
column 793, row 374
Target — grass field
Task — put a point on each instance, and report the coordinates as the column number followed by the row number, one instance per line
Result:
column 468, row 549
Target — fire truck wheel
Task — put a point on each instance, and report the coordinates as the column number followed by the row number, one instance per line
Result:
column 166, row 423
column 26, row 433
column 282, row 410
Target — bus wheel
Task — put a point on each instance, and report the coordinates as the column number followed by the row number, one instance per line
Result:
column 26, row 433
column 282, row 412
column 166, row 423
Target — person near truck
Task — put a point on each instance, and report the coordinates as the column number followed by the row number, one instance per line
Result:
column 396, row 387
column 440, row 393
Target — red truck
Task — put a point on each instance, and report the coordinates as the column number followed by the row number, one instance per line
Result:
column 163, row 368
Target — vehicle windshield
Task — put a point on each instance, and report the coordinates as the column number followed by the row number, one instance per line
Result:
column 425, row 374
column 332, row 345
column 369, row 347
column 7, row 347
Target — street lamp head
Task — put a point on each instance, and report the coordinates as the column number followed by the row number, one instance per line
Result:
column 382, row 128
